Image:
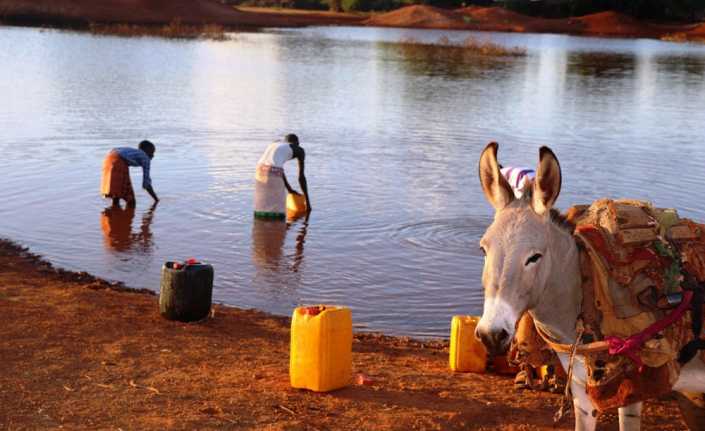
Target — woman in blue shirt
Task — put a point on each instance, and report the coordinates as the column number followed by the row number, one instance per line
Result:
column 116, row 182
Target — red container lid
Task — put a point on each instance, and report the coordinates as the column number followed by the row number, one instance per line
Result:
column 313, row 310
column 189, row 261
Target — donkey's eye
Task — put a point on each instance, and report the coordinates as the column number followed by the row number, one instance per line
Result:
column 533, row 259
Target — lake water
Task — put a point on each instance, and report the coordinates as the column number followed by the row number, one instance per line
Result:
column 392, row 135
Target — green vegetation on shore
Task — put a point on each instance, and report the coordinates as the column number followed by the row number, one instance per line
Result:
column 657, row 10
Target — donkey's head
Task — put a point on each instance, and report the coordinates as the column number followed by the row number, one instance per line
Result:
column 519, row 254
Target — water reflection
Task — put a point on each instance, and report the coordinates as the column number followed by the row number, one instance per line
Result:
column 300, row 240
column 680, row 66
column 268, row 238
column 116, row 224
column 601, row 64
column 444, row 59
column 392, row 134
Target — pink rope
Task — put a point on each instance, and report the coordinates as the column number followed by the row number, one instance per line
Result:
column 630, row 346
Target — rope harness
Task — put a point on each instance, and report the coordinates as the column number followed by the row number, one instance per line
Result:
column 566, row 401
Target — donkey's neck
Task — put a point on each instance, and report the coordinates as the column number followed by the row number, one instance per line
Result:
column 558, row 307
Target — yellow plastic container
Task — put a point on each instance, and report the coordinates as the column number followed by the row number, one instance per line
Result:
column 548, row 370
column 543, row 372
column 467, row 353
column 295, row 205
column 321, row 348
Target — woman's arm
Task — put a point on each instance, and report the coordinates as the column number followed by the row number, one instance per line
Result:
column 286, row 184
column 301, row 156
column 147, row 179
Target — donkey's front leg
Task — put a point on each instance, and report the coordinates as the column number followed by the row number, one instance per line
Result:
column 630, row 417
column 585, row 420
column 585, row 413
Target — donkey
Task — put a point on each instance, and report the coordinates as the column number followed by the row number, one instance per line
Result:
column 532, row 265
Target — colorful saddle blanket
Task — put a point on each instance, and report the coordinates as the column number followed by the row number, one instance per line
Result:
column 633, row 256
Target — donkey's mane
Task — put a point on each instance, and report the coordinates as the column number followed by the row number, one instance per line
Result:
column 560, row 220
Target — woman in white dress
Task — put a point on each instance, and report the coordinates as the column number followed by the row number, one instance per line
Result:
column 271, row 185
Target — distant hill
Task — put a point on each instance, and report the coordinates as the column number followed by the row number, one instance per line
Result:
column 84, row 12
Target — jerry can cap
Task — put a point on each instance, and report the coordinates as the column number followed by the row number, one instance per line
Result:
column 179, row 265
column 313, row 310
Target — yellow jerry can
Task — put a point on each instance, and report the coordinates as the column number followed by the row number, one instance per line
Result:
column 321, row 348
column 295, row 205
column 467, row 353
column 544, row 372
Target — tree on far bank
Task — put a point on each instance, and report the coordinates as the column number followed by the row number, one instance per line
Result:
column 659, row 10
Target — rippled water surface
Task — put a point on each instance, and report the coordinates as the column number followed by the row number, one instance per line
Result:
column 392, row 133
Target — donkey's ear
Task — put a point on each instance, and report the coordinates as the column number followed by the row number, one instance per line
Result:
column 547, row 184
column 497, row 190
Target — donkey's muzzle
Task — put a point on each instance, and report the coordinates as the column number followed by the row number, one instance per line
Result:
column 496, row 342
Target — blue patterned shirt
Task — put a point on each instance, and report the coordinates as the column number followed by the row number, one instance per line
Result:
column 137, row 157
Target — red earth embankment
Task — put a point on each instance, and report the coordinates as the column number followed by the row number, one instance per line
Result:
column 616, row 24
column 699, row 30
column 419, row 16
column 154, row 12
column 498, row 19
column 694, row 33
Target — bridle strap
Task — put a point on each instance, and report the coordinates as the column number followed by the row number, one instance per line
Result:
column 581, row 349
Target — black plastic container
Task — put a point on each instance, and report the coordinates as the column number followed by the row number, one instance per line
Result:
column 186, row 291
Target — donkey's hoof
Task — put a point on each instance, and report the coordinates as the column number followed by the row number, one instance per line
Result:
column 521, row 381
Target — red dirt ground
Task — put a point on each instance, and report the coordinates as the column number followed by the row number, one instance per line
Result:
column 80, row 353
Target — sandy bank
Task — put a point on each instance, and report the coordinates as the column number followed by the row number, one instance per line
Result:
column 83, row 353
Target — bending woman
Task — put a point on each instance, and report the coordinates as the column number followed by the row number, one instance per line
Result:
column 116, row 182
column 271, row 185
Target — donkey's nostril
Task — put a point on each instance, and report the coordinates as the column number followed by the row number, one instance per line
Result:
column 485, row 338
column 495, row 341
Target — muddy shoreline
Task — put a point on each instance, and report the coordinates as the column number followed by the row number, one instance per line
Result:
column 84, row 353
